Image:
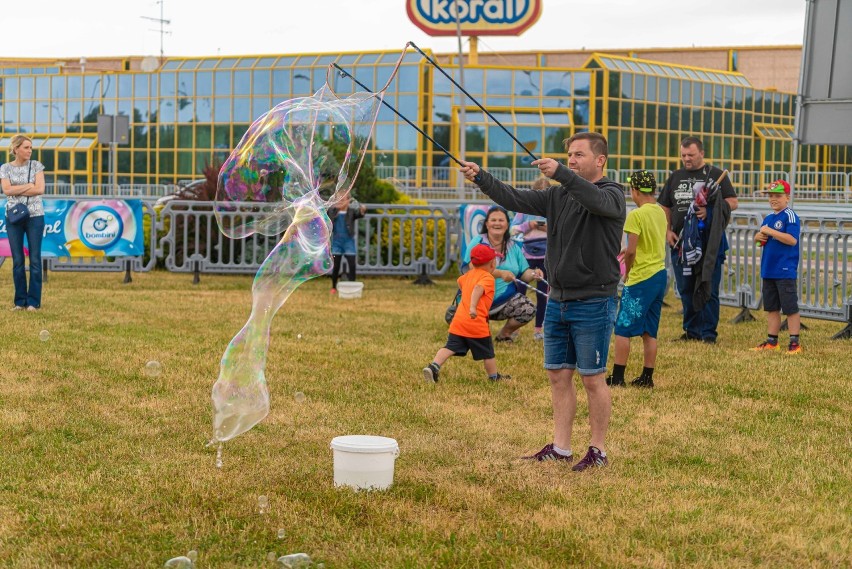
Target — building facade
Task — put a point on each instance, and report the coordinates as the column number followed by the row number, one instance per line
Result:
column 190, row 112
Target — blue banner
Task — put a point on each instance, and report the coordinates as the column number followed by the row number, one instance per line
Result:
column 86, row 228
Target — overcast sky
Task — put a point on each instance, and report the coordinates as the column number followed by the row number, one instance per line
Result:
column 93, row 28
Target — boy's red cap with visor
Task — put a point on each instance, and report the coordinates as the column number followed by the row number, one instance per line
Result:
column 778, row 187
column 481, row 254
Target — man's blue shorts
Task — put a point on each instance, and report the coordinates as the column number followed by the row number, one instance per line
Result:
column 577, row 333
column 641, row 305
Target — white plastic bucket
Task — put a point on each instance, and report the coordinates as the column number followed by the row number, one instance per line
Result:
column 364, row 462
column 350, row 289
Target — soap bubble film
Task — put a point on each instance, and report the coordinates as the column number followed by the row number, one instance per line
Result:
column 290, row 166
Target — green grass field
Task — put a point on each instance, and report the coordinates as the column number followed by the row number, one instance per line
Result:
column 736, row 459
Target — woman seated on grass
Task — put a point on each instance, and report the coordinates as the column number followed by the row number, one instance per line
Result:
column 509, row 304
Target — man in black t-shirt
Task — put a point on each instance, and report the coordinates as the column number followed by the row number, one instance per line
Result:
column 699, row 323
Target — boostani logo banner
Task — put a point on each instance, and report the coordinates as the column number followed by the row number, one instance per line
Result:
column 86, row 228
column 475, row 17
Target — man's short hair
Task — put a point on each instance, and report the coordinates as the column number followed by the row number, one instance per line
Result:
column 690, row 140
column 596, row 140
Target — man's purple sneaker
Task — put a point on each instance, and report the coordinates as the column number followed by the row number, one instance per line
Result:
column 592, row 458
column 547, row 453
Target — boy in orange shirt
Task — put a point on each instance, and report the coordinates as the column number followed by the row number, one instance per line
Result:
column 469, row 330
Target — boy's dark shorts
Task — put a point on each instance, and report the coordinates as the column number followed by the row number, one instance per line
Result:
column 480, row 348
column 780, row 294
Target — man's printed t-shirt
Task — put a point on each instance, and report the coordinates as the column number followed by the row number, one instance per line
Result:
column 780, row 261
column 679, row 191
column 463, row 324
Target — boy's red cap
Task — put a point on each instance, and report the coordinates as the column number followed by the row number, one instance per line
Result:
column 482, row 254
column 779, row 186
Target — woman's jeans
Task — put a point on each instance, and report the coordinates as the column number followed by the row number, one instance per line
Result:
column 33, row 228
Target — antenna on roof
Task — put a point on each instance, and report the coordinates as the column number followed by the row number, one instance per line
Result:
column 163, row 22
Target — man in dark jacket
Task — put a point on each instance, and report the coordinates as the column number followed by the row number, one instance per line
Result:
column 699, row 288
column 585, row 217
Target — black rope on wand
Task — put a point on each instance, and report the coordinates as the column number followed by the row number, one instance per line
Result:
column 484, row 110
column 429, row 138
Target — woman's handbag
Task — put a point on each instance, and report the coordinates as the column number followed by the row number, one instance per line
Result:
column 19, row 212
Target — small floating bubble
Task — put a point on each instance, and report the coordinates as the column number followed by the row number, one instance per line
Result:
column 271, row 556
column 281, row 533
column 298, row 336
column 299, row 397
column 153, row 368
column 262, row 503
column 192, row 555
column 295, row 560
column 179, row 563
column 44, row 335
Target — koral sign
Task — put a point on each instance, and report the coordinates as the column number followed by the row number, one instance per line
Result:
column 476, row 17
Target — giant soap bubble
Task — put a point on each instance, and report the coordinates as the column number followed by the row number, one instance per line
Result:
column 290, row 166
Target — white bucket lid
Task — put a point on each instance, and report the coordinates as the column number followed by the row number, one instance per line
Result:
column 364, row 443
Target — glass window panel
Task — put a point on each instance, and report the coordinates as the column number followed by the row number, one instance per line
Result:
column 25, row 87
column 385, row 114
column 125, row 107
column 167, row 84
column 223, row 83
column 221, row 136
column 581, row 112
column 166, row 162
column 204, row 83
column 633, row 66
column 75, row 87
column 172, row 64
column 185, row 163
column 10, row 113
column 265, row 62
column 645, row 67
column 663, row 90
column 259, row 106
column 260, row 82
column 696, row 95
column 42, row 87
column 281, row 82
column 301, row 82
column 530, row 137
column 125, row 85
column 718, row 95
column 57, row 112
column 553, row 137
column 692, row 74
column 554, row 84
column 42, row 113
column 499, row 141
column 407, row 106
column 208, row 63
column 729, row 96
column 227, row 63
column 408, row 78
column 639, row 87
column 68, row 142
column 346, row 59
column 384, row 136
column 522, row 118
column 167, row 111
column 674, row 91
column 242, row 109
column 473, row 80
column 626, row 86
column 26, row 114
column 185, row 109
column 475, row 138
column 242, row 82
column 203, row 109
column 406, row 137
column 652, row 89
column 383, row 73
column 499, row 82
column 185, row 86
column 582, row 84
column 626, row 114
column 63, row 160
column 246, row 62
column 441, row 109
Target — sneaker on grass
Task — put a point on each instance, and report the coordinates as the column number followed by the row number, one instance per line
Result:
column 614, row 382
column 431, row 372
column 794, row 349
column 592, row 458
column 765, row 346
column 642, row 381
column 547, row 453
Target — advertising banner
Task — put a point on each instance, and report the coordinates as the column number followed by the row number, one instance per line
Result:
column 475, row 17
column 86, row 228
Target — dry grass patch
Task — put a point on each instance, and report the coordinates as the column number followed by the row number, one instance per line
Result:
column 736, row 458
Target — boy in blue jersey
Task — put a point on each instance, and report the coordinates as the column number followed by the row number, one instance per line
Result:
column 779, row 237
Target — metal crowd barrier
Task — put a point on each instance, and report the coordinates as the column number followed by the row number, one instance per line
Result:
column 392, row 239
column 107, row 190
